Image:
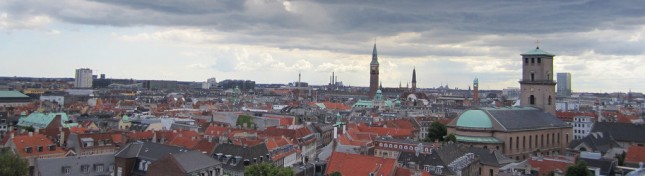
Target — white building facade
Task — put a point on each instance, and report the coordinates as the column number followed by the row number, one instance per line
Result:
column 582, row 126
column 83, row 78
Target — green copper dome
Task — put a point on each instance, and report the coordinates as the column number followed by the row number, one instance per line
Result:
column 474, row 119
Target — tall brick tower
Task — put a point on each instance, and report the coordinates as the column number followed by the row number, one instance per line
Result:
column 537, row 84
column 374, row 70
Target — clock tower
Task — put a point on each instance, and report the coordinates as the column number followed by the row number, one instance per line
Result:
column 374, row 71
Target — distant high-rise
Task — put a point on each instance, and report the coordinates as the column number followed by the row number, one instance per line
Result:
column 83, row 78
column 564, row 84
column 374, row 70
column 537, row 85
column 476, row 92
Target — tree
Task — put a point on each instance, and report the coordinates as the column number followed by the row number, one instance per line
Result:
column 336, row 174
column 12, row 164
column 451, row 137
column 436, row 131
column 245, row 121
column 30, row 129
column 579, row 169
column 266, row 169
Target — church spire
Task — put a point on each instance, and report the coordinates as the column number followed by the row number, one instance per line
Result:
column 414, row 75
column 414, row 79
column 374, row 56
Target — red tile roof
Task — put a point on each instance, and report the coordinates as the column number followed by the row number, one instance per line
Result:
column 546, row 165
column 353, row 164
column 567, row 116
column 382, row 131
column 215, row 130
column 186, row 142
column 205, row 147
column 33, row 141
column 336, row 106
column 635, row 154
column 401, row 171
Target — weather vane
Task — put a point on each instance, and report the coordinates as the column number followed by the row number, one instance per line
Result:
column 537, row 44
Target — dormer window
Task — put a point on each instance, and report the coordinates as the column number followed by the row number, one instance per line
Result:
column 39, row 148
column 52, row 147
column 66, row 170
column 27, row 149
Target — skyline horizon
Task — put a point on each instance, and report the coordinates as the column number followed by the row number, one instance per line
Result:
column 403, row 85
column 270, row 41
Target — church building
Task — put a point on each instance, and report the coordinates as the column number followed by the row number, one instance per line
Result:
column 519, row 132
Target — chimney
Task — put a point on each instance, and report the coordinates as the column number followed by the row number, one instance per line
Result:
column 31, row 134
column 12, row 135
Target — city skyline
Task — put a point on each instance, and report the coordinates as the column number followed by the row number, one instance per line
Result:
column 599, row 43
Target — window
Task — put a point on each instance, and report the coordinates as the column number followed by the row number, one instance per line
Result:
column 526, row 60
column 517, row 143
column 532, row 60
column 85, row 168
column 510, row 144
column 539, row 60
column 532, row 99
column 532, row 76
column 530, row 141
column 558, row 138
column 552, row 138
column 536, row 143
column 98, row 168
column 67, row 170
column 524, row 142
column 542, row 140
column 549, row 100
column 547, row 139
column 567, row 138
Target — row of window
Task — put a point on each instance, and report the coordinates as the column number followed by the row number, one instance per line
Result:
column 580, row 131
column 582, row 125
column 86, row 168
column 526, row 60
column 404, row 147
column 532, row 100
column 533, row 141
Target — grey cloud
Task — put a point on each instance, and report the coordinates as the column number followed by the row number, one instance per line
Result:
column 352, row 23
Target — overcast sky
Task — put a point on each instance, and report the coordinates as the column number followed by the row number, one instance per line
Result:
column 601, row 43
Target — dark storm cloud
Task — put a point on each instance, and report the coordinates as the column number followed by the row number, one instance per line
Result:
column 345, row 26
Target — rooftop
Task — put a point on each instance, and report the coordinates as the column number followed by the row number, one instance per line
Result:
column 474, row 119
column 537, row 51
column 12, row 94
